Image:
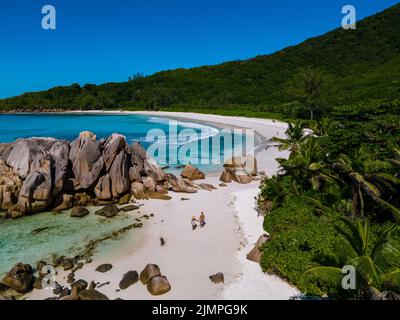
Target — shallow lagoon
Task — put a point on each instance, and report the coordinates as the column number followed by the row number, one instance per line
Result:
column 22, row 241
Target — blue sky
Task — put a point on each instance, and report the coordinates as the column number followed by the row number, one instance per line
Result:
column 103, row 41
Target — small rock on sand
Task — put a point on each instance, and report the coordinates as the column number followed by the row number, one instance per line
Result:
column 92, row 295
column 158, row 285
column 217, row 278
column 129, row 278
column 150, row 271
column 104, row 267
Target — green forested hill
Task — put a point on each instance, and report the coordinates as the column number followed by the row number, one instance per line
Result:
column 361, row 65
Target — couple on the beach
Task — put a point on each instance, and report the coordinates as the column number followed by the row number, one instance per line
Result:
column 201, row 221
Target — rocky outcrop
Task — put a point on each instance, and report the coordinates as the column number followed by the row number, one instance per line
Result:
column 86, row 159
column 39, row 174
column 255, row 253
column 192, row 173
column 19, row 278
column 178, row 184
column 240, row 170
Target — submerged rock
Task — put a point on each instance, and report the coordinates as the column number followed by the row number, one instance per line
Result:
column 108, row 211
column 130, row 208
column 79, row 212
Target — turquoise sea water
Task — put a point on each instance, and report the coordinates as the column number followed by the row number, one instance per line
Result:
column 60, row 235
column 134, row 127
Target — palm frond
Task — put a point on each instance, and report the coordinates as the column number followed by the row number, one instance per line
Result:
column 368, row 270
column 331, row 276
column 386, row 205
column 369, row 188
column 392, row 278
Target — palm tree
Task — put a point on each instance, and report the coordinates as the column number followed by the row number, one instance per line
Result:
column 321, row 127
column 375, row 276
column 307, row 164
column 367, row 177
column 295, row 135
column 310, row 88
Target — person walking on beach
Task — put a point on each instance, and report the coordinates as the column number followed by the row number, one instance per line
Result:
column 194, row 223
column 202, row 220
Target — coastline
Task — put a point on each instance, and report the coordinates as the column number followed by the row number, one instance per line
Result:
column 189, row 258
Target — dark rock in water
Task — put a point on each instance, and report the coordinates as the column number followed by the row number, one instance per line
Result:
column 185, row 199
column 217, row 278
column 92, row 295
column 68, row 264
column 104, row 267
column 78, row 212
column 79, row 286
column 58, row 289
column 38, row 230
column 108, row 211
column 150, row 271
column 158, row 285
column 19, row 278
column 128, row 279
column 130, row 208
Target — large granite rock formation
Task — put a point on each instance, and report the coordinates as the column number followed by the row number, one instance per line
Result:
column 240, row 170
column 39, row 174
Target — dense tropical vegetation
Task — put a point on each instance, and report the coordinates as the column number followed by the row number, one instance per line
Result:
column 336, row 202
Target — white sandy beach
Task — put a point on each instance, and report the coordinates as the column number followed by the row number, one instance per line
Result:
column 190, row 257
